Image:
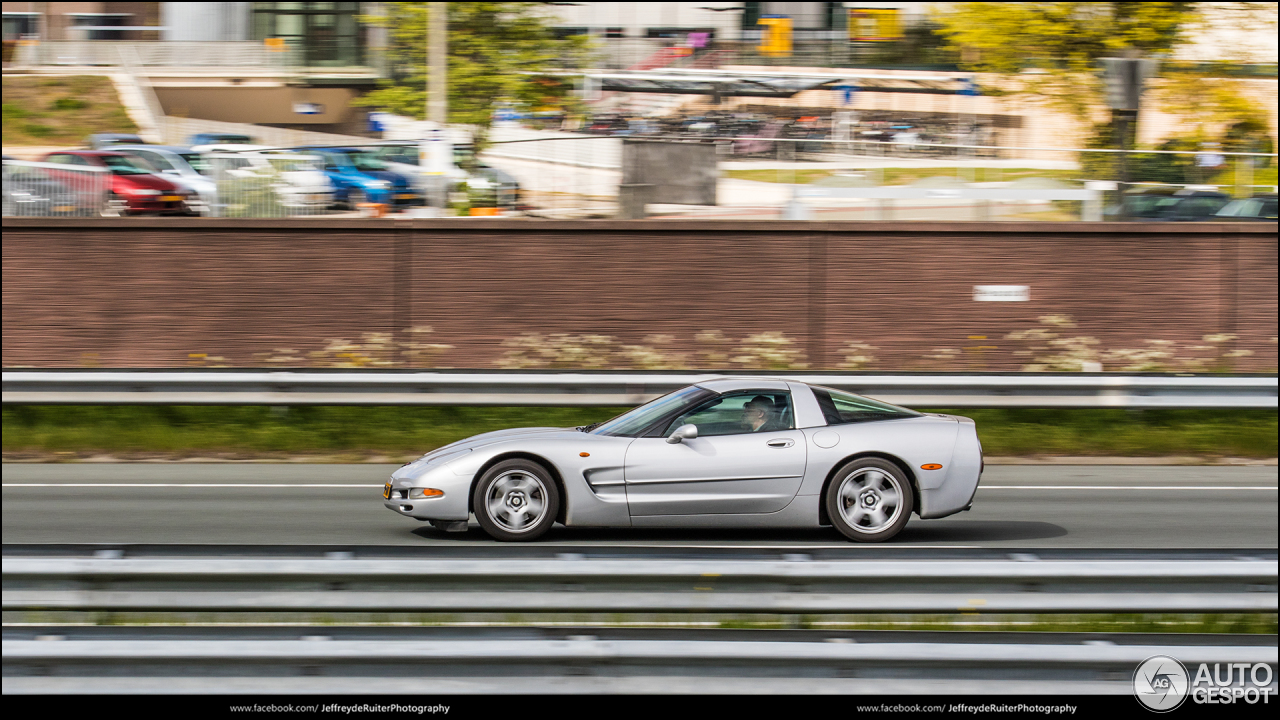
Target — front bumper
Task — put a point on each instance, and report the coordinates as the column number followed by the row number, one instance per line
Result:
column 453, row 505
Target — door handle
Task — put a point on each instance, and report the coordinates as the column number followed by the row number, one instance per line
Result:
column 781, row 443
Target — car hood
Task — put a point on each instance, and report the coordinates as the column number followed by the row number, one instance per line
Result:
column 488, row 438
column 310, row 179
column 396, row 179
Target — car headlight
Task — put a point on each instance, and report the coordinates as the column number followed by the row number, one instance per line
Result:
column 379, row 185
column 143, row 191
column 425, row 493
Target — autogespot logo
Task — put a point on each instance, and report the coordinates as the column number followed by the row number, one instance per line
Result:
column 1160, row 683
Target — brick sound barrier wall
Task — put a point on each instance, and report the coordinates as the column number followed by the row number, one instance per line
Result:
column 150, row 292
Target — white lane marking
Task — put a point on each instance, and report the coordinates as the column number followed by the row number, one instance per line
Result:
column 190, row 485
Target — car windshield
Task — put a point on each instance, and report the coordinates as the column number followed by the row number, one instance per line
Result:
column 633, row 422
column 399, row 154
column 464, row 156
column 291, row 164
column 1250, row 207
column 121, row 165
column 1150, row 205
column 198, row 163
column 839, row 408
column 366, row 162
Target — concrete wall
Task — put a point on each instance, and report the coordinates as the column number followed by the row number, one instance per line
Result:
column 259, row 105
column 144, row 293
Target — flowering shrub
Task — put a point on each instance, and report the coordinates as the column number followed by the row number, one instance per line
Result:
column 857, row 355
column 770, row 351
column 377, row 350
column 1052, row 353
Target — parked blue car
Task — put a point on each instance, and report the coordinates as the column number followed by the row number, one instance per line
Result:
column 359, row 177
column 215, row 138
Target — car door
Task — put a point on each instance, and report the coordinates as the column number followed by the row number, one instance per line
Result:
column 730, row 468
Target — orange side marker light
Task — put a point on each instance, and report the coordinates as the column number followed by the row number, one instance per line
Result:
column 931, row 466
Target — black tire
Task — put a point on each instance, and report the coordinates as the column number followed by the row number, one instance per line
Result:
column 355, row 197
column 516, row 501
column 869, row 500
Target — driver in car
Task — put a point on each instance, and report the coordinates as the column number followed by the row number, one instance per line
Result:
column 758, row 415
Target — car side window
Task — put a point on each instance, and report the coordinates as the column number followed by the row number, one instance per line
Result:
column 839, row 408
column 157, row 160
column 1200, row 206
column 739, row 412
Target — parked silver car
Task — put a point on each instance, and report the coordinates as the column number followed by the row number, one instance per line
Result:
column 183, row 166
column 727, row 452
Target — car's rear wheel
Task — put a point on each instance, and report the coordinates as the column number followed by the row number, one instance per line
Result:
column 516, row 500
column 869, row 500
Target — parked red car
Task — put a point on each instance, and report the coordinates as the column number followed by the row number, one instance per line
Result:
column 135, row 187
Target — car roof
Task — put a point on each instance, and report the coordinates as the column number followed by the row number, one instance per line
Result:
column 94, row 153
column 178, row 149
column 115, row 135
column 234, row 147
column 729, row 384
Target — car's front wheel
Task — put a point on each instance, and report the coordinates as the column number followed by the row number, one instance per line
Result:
column 356, row 198
column 869, row 500
column 516, row 500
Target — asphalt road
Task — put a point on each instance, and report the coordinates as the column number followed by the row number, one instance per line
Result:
column 1025, row 506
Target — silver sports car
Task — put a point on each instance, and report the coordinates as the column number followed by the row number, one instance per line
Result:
column 728, row 452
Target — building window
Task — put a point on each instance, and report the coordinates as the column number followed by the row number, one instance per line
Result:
column 322, row 34
column 615, row 32
column 20, row 25
column 96, row 25
column 677, row 32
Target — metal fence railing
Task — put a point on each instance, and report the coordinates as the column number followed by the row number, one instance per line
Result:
column 769, row 175
column 106, row 53
column 38, row 189
column 605, row 388
column 258, row 184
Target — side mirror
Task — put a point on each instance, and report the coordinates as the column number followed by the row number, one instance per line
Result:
column 684, row 432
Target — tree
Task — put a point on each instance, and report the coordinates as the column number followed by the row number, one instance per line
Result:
column 1051, row 49
column 498, row 52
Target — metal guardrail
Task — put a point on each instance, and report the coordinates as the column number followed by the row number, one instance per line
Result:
column 397, row 387
column 570, row 584
column 651, row 660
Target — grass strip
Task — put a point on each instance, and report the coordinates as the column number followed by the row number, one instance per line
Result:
column 56, row 111
column 338, row 433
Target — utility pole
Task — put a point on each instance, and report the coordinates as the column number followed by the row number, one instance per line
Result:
column 437, row 62
column 1125, row 79
column 436, row 150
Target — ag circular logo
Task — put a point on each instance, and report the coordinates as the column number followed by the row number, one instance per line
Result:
column 1161, row 683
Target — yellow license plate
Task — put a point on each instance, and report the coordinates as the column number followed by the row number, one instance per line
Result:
column 64, row 208
column 386, row 491
column 170, row 198
column 409, row 196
